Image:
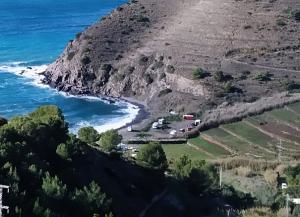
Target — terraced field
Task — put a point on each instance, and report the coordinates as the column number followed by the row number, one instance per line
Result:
column 174, row 151
column 272, row 135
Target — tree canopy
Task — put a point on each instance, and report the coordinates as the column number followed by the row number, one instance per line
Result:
column 152, row 156
column 88, row 135
column 38, row 160
column 109, row 140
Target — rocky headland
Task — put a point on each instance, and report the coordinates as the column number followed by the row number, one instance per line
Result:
column 185, row 55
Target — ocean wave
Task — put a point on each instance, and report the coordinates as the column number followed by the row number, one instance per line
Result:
column 104, row 125
column 34, row 76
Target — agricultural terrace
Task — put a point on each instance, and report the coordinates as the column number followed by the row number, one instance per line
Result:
column 271, row 135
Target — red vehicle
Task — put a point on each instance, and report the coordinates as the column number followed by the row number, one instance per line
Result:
column 188, row 117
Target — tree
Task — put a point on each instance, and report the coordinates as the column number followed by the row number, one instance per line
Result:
column 88, row 135
column 92, row 200
column 182, row 167
column 152, row 156
column 109, row 140
column 53, row 187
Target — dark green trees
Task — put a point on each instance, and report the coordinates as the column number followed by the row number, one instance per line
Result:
column 152, row 156
column 109, row 140
column 88, row 135
column 41, row 162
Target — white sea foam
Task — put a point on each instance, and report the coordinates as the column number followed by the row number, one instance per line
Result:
column 34, row 75
column 114, row 123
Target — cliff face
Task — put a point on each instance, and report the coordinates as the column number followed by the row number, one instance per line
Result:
column 147, row 50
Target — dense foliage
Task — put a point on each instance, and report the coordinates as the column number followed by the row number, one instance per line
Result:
column 152, row 156
column 38, row 160
column 109, row 140
column 88, row 135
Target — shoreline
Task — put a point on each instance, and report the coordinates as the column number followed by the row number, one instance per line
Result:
column 35, row 74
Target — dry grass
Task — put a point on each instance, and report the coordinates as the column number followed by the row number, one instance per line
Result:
column 259, row 212
column 255, row 165
column 270, row 176
column 243, row 171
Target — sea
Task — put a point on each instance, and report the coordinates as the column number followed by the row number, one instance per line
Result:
column 33, row 33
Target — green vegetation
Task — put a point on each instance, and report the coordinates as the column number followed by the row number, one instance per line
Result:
column 262, row 76
column 174, row 151
column 219, row 76
column 199, row 73
column 109, row 140
column 37, row 160
column 258, row 136
column 211, row 148
column 173, row 118
column 290, row 85
column 88, row 135
column 152, row 156
column 281, row 22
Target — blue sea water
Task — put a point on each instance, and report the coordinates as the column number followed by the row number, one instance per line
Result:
column 32, row 34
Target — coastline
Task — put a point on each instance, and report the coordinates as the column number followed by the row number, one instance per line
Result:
column 35, row 75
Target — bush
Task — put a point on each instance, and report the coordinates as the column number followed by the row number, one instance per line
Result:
column 164, row 92
column 88, row 135
column 219, row 76
column 85, row 60
column 262, row 76
column 199, row 73
column 280, row 22
column 142, row 19
column 170, row 69
column 152, row 156
column 296, row 15
column 290, row 85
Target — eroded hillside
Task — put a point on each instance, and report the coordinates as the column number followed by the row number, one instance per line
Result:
column 149, row 50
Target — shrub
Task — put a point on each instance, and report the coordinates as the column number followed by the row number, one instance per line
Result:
column 290, row 85
column 85, row 60
column 143, row 59
column 280, row 22
column 164, row 92
column 170, row 69
column 199, row 73
column 296, row 15
column 229, row 88
column 262, row 76
column 219, row 76
column 148, row 78
column 142, row 19
column 270, row 176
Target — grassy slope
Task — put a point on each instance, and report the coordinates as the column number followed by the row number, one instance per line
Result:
column 209, row 147
column 174, row 151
